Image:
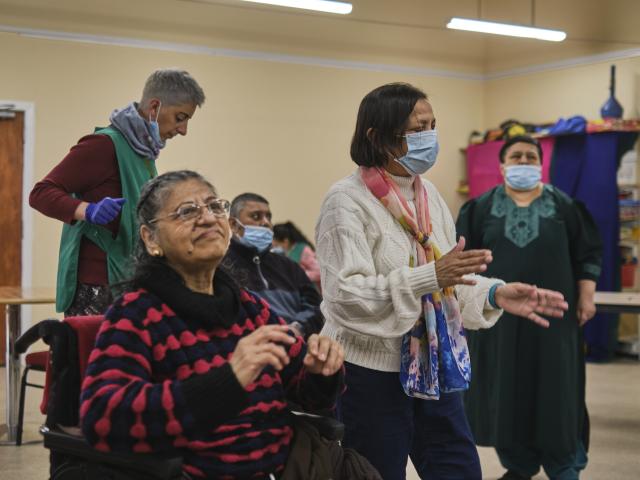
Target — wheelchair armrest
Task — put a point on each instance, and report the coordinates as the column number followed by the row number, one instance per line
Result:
column 328, row 427
column 151, row 465
column 44, row 330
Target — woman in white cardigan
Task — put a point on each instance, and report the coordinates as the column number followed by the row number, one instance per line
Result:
column 396, row 304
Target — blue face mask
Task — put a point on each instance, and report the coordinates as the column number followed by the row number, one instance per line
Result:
column 154, row 128
column 422, row 151
column 256, row 237
column 523, row 177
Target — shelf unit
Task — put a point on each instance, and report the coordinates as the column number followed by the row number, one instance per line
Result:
column 629, row 194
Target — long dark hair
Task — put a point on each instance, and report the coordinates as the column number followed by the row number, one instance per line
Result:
column 153, row 195
column 386, row 112
column 288, row 231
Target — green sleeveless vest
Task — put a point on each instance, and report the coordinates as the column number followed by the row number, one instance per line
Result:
column 135, row 171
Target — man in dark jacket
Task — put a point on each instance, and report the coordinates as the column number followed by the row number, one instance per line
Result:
column 273, row 276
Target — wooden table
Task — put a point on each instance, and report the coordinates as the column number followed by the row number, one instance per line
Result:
column 621, row 302
column 14, row 298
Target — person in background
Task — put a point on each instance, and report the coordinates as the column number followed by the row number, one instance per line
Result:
column 397, row 304
column 279, row 280
column 188, row 364
column 95, row 188
column 298, row 248
column 527, row 398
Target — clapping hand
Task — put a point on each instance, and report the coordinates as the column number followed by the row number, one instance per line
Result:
column 528, row 301
column 324, row 356
column 262, row 348
column 452, row 267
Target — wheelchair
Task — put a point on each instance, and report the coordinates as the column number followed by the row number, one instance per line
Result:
column 70, row 343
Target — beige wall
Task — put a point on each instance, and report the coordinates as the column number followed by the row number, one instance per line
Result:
column 545, row 96
column 281, row 130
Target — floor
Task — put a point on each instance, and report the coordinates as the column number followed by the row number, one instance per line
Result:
column 613, row 398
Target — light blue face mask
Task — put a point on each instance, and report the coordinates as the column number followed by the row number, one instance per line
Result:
column 256, row 237
column 523, row 177
column 154, row 126
column 422, row 151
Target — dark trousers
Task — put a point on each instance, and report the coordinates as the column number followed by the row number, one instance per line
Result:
column 527, row 462
column 386, row 426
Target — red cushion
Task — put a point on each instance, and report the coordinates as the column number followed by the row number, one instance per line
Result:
column 37, row 360
column 86, row 328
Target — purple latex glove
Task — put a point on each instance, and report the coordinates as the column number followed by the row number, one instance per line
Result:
column 104, row 211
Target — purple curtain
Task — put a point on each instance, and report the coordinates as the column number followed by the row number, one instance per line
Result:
column 584, row 166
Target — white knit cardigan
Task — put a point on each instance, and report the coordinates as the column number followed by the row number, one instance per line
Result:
column 371, row 297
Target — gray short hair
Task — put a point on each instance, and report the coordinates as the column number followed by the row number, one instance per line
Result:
column 172, row 87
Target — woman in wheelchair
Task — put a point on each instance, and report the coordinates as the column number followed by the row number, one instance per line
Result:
column 187, row 363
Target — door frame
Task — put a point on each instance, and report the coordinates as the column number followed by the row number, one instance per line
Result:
column 28, row 155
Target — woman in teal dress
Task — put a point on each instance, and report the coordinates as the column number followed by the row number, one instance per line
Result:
column 527, row 397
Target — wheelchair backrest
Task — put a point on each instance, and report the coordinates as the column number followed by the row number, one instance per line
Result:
column 71, row 346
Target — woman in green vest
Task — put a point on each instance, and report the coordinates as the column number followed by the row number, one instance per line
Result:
column 95, row 188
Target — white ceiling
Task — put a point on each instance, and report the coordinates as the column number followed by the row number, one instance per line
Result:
column 396, row 32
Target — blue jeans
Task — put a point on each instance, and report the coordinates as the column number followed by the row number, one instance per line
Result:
column 386, row 426
column 527, row 462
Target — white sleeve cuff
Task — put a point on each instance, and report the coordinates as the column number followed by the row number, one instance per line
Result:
column 423, row 279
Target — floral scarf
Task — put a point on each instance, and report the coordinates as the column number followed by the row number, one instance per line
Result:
column 434, row 357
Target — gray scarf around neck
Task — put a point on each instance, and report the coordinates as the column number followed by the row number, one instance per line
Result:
column 137, row 131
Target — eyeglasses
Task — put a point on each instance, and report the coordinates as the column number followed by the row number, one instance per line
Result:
column 192, row 211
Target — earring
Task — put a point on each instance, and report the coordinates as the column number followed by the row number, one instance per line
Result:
column 157, row 253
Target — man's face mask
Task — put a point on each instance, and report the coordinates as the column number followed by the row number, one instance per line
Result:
column 256, row 237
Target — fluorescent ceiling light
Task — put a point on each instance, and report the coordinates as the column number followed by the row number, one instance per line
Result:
column 327, row 6
column 506, row 29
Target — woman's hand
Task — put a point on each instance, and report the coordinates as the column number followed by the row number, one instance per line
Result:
column 586, row 309
column 527, row 301
column 324, row 356
column 261, row 348
column 451, row 268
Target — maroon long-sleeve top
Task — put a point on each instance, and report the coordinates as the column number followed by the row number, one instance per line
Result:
column 90, row 171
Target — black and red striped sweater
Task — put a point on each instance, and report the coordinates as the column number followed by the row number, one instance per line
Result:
column 159, row 380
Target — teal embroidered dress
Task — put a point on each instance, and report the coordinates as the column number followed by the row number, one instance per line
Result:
column 528, row 382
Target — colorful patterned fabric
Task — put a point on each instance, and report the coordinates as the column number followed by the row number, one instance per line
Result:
column 434, row 355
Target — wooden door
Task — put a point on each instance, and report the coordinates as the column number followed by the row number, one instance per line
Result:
column 11, row 151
